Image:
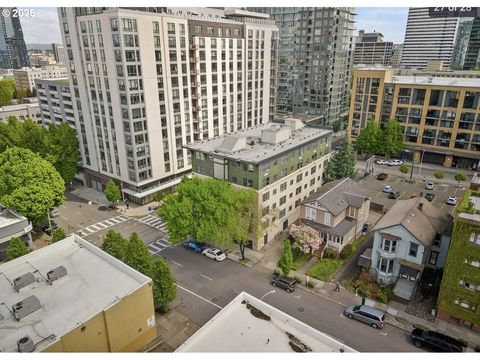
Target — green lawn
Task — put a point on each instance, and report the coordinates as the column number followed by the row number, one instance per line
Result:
column 323, row 269
column 299, row 259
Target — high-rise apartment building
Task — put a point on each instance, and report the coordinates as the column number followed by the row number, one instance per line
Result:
column 439, row 116
column 315, row 59
column 55, row 101
column 144, row 83
column 370, row 49
column 472, row 57
column 59, row 53
column 461, row 43
column 283, row 163
column 428, row 38
column 13, row 51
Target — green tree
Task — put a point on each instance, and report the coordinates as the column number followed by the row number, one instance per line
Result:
column 341, row 164
column 247, row 222
column 336, row 125
column 137, row 255
column 460, row 176
column 7, row 89
column 438, row 174
column 115, row 244
column 404, row 169
column 16, row 248
column 204, row 209
column 20, row 93
column 391, row 141
column 112, row 192
column 58, row 234
column 9, row 133
column 164, row 285
column 29, row 184
column 61, row 149
column 31, row 135
column 286, row 260
column 159, row 196
column 369, row 139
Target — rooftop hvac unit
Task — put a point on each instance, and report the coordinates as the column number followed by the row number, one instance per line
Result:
column 24, row 280
column 25, row 344
column 56, row 273
column 26, row 307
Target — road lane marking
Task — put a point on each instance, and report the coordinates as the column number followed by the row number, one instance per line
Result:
column 63, row 217
column 343, row 316
column 206, row 277
column 174, row 262
column 79, row 213
column 201, row 297
column 384, row 333
column 297, row 297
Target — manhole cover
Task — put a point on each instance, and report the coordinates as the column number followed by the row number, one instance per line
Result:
column 301, row 309
column 214, row 300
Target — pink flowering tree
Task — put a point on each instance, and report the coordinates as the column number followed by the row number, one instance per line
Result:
column 306, row 238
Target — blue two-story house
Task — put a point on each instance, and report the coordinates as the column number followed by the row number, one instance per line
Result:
column 412, row 235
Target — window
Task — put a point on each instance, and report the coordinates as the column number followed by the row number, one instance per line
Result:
column 327, row 218
column 171, row 28
column 413, row 249
column 266, row 196
column 283, row 200
column 310, row 213
column 281, row 214
column 437, row 241
column 389, row 246
column 283, row 186
column 475, row 238
column 433, row 258
column 385, row 265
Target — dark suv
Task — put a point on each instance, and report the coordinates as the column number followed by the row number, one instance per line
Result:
column 435, row 341
column 285, row 283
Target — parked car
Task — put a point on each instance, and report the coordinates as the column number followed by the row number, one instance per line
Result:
column 193, row 246
column 49, row 230
column 387, row 188
column 285, row 283
column 430, row 196
column 395, row 162
column 452, row 200
column 367, row 314
column 381, row 162
column 435, row 341
column 382, row 176
column 429, row 186
column 394, row 195
column 215, row 254
column 54, row 213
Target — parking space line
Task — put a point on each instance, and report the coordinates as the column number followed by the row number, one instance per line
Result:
column 206, row 277
column 201, row 297
column 174, row 262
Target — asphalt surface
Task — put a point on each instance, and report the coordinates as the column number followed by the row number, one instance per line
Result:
column 212, row 285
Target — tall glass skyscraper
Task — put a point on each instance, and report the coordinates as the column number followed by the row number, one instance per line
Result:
column 315, row 59
column 472, row 57
column 13, row 52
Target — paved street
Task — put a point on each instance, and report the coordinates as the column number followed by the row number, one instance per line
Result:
column 92, row 222
column 441, row 191
column 216, row 284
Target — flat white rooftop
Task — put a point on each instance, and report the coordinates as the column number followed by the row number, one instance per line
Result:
column 237, row 329
column 8, row 108
column 94, row 282
column 9, row 217
column 437, row 81
column 259, row 151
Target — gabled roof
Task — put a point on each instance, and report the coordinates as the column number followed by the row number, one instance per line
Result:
column 423, row 224
column 337, row 195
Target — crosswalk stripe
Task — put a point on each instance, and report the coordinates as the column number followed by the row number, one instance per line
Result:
column 102, row 225
column 116, row 221
column 123, row 218
column 152, row 252
column 156, row 223
column 109, row 223
column 152, row 246
column 164, row 242
column 96, row 227
column 81, row 233
column 90, row 230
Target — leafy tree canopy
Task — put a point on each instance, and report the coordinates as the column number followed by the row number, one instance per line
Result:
column 137, row 255
column 115, row 244
column 306, row 238
column 391, row 141
column 286, row 260
column 29, row 184
column 164, row 285
column 16, row 248
column 58, row 234
column 112, row 192
column 7, row 89
column 369, row 139
column 460, row 176
column 341, row 164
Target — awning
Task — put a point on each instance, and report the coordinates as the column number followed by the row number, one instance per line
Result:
column 389, row 236
column 365, row 259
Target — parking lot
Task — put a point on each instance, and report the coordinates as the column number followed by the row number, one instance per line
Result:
column 400, row 184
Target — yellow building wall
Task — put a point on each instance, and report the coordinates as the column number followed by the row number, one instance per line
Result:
column 125, row 327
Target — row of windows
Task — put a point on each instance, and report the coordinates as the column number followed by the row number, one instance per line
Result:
column 390, row 246
column 227, row 32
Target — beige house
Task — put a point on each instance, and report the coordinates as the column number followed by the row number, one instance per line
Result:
column 338, row 211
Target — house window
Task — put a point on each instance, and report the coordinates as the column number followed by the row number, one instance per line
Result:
column 282, row 214
column 283, row 186
column 389, row 245
column 433, row 258
column 327, row 218
column 413, row 250
column 310, row 213
column 283, row 199
column 266, row 196
column 351, row 211
column 475, row 238
column 385, row 265
column 437, row 241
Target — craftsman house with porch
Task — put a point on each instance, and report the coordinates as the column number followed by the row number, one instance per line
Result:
column 412, row 235
column 337, row 211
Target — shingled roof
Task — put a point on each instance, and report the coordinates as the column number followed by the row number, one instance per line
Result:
column 337, row 195
column 422, row 223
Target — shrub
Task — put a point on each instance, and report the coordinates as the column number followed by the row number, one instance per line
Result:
column 329, row 253
column 298, row 279
column 276, row 272
column 310, row 284
column 346, row 251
